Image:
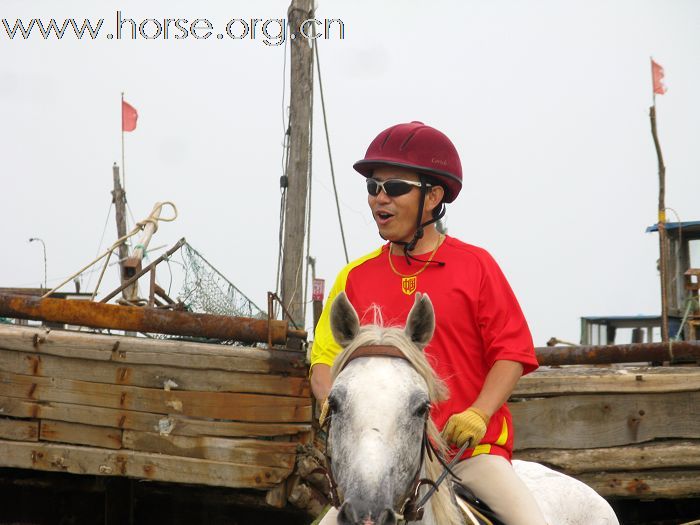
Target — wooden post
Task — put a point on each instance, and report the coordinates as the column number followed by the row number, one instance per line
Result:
column 119, row 200
column 663, row 240
column 298, row 163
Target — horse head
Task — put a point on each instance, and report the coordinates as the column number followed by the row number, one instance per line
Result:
column 379, row 407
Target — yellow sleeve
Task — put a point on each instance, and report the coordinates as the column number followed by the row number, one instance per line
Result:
column 325, row 349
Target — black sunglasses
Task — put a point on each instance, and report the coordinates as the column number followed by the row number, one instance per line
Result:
column 392, row 187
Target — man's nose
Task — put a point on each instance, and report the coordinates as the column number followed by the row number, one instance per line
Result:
column 382, row 196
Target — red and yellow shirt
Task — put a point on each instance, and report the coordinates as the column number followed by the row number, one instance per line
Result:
column 478, row 322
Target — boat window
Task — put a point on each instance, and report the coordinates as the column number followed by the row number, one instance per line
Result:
column 694, row 252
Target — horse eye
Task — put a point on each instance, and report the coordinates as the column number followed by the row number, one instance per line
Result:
column 422, row 410
column 332, row 403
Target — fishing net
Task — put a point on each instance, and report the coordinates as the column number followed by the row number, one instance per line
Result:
column 205, row 290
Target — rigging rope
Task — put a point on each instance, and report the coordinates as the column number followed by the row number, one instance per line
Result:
column 328, row 143
column 152, row 219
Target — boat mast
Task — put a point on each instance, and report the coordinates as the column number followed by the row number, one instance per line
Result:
column 119, row 200
column 298, row 165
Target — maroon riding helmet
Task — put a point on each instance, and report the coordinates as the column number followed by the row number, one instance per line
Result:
column 417, row 147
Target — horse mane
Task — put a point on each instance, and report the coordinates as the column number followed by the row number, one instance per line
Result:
column 444, row 509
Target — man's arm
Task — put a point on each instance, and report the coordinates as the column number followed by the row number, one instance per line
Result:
column 498, row 386
column 321, row 381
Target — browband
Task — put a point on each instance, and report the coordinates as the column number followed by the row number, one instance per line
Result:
column 375, row 351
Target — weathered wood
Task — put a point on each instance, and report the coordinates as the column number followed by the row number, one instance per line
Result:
column 243, row 451
column 122, row 349
column 156, row 467
column 648, row 484
column 19, row 430
column 574, row 379
column 78, row 434
column 216, row 405
column 592, row 421
column 142, row 421
column 297, row 169
column 151, row 376
column 655, row 455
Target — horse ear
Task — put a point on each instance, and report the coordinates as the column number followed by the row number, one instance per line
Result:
column 344, row 321
column 420, row 324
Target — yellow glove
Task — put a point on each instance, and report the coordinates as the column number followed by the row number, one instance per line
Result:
column 324, row 413
column 469, row 425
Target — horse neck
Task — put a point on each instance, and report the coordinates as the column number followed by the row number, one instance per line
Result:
column 440, row 509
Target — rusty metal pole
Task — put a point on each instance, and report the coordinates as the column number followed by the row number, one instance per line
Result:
column 608, row 354
column 144, row 319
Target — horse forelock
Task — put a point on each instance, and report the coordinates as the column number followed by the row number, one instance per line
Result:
column 441, row 504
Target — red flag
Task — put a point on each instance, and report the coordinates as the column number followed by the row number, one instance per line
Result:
column 657, row 74
column 129, row 117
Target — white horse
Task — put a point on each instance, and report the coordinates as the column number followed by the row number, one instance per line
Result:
column 379, row 414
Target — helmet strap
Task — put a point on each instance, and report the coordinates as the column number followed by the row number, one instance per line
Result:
column 420, row 226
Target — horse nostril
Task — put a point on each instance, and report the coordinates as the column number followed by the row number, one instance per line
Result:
column 387, row 517
column 347, row 514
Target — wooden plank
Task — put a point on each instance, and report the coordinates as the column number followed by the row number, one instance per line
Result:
column 655, row 455
column 647, row 484
column 123, row 349
column 615, row 379
column 151, row 376
column 215, row 405
column 594, row 421
column 142, row 421
column 78, row 434
column 243, row 451
column 142, row 465
column 16, row 429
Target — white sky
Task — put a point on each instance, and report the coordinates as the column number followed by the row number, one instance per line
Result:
column 547, row 102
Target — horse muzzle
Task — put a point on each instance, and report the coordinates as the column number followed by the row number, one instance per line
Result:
column 359, row 514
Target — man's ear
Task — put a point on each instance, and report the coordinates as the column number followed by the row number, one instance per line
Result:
column 433, row 198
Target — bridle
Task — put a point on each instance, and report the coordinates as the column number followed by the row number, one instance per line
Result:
column 412, row 508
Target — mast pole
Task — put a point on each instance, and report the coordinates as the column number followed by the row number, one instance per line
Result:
column 119, row 200
column 298, row 165
column 661, row 217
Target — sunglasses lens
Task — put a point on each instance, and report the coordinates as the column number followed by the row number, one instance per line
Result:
column 373, row 188
column 394, row 188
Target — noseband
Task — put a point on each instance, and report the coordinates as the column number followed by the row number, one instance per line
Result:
column 411, row 509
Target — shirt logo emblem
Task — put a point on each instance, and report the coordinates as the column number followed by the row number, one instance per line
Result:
column 408, row 284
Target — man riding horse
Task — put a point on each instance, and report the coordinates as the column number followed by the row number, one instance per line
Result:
column 482, row 344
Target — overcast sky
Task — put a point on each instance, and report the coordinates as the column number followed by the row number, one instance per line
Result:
column 546, row 101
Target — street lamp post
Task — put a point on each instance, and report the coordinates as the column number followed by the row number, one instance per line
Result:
column 44, row 246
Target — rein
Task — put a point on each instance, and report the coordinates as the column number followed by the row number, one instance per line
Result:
column 411, row 509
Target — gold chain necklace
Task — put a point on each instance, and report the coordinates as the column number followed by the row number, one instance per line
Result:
column 409, row 283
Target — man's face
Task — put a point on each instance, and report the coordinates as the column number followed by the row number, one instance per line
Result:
column 395, row 216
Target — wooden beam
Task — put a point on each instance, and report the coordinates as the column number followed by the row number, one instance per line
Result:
column 215, row 405
column 648, row 484
column 122, row 349
column 152, row 376
column 574, row 379
column 78, row 434
column 142, row 465
column 655, row 455
column 593, row 421
column 146, row 422
column 19, row 430
column 242, row 451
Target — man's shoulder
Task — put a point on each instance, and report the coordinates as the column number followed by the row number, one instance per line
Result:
column 360, row 262
column 463, row 249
